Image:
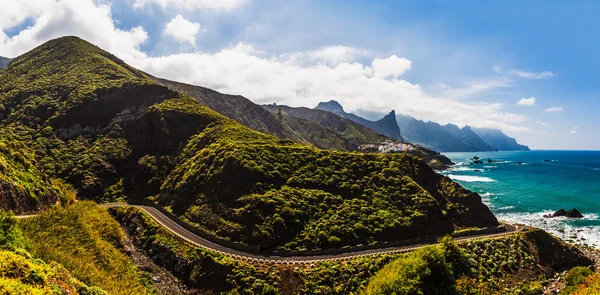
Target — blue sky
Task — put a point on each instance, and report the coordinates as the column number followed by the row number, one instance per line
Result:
column 461, row 62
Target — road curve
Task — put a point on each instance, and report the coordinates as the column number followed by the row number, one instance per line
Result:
column 198, row 241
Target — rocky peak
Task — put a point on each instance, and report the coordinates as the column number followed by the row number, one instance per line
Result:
column 330, row 106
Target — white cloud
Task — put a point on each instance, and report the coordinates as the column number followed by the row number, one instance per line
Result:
column 183, row 30
column 554, row 109
column 297, row 79
column 526, row 101
column 573, row 131
column 226, row 5
column 392, row 66
column 474, row 87
column 53, row 19
column 524, row 74
column 330, row 56
column 541, row 123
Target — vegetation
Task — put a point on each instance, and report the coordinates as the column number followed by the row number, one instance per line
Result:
column 88, row 242
column 113, row 133
column 292, row 197
column 200, row 269
column 327, row 130
column 508, row 265
column 25, row 186
column 575, row 277
column 20, row 273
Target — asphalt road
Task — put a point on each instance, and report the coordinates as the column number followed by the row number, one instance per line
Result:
column 196, row 240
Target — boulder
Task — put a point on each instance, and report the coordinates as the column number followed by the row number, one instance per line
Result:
column 560, row 212
column 574, row 213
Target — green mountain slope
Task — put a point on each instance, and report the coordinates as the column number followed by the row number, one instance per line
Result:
column 113, row 132
column 237, row 108
column 355, row 134
column 23, row 185
column 330, row 131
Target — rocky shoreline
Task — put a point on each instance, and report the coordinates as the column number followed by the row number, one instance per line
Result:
column 557, row 283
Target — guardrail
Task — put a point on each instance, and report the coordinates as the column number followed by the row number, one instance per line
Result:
column 291, row 260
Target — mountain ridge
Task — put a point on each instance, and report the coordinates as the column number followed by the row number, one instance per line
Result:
column 500, row 140
column 386, row 125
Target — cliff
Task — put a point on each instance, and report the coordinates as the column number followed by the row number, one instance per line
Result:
column 499, row 140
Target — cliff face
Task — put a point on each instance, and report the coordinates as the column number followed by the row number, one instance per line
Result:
column 499, row 140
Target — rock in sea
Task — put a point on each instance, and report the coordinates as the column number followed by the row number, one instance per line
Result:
column 573, row 213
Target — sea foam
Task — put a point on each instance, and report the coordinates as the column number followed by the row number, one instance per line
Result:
column 562, row 227
column 470, row 178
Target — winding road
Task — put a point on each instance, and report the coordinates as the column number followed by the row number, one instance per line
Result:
column 198, row 241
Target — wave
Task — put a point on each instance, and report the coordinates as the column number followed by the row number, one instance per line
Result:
column 506, row 208
column 462, row 168
column 469, row 178
column 561, row 227
column 489, row 167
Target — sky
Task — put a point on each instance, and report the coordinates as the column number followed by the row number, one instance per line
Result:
column 525, row 67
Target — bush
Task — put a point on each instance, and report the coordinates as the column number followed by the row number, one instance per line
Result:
column 11, row 236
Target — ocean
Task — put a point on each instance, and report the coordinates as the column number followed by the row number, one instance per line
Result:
column 544, row 182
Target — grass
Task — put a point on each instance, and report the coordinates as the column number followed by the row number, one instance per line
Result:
column 88, row 242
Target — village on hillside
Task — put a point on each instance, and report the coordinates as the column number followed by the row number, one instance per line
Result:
column 387, row 146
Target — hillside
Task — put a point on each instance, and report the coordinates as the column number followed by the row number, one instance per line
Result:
column 386, row 125
column 499, row 140
column 238, row 108
column 356, row 134
column 24, row 187
column 330, row 131
column 114, row 133
column 4, row 62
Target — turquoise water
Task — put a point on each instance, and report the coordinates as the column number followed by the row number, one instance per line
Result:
column 524, row 193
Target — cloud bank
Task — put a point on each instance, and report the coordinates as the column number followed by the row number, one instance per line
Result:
column 296, row 78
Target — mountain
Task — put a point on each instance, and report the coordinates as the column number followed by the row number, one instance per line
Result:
column 4, row 62
column 75, row 118
column 386, row 126
column 354, row 133
column 315, row 127
column 238, row 108
column 327, row 130
column 469, row 137
column 447, row 138
column 499, row 140
column 113, row 132
column 431, row 135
